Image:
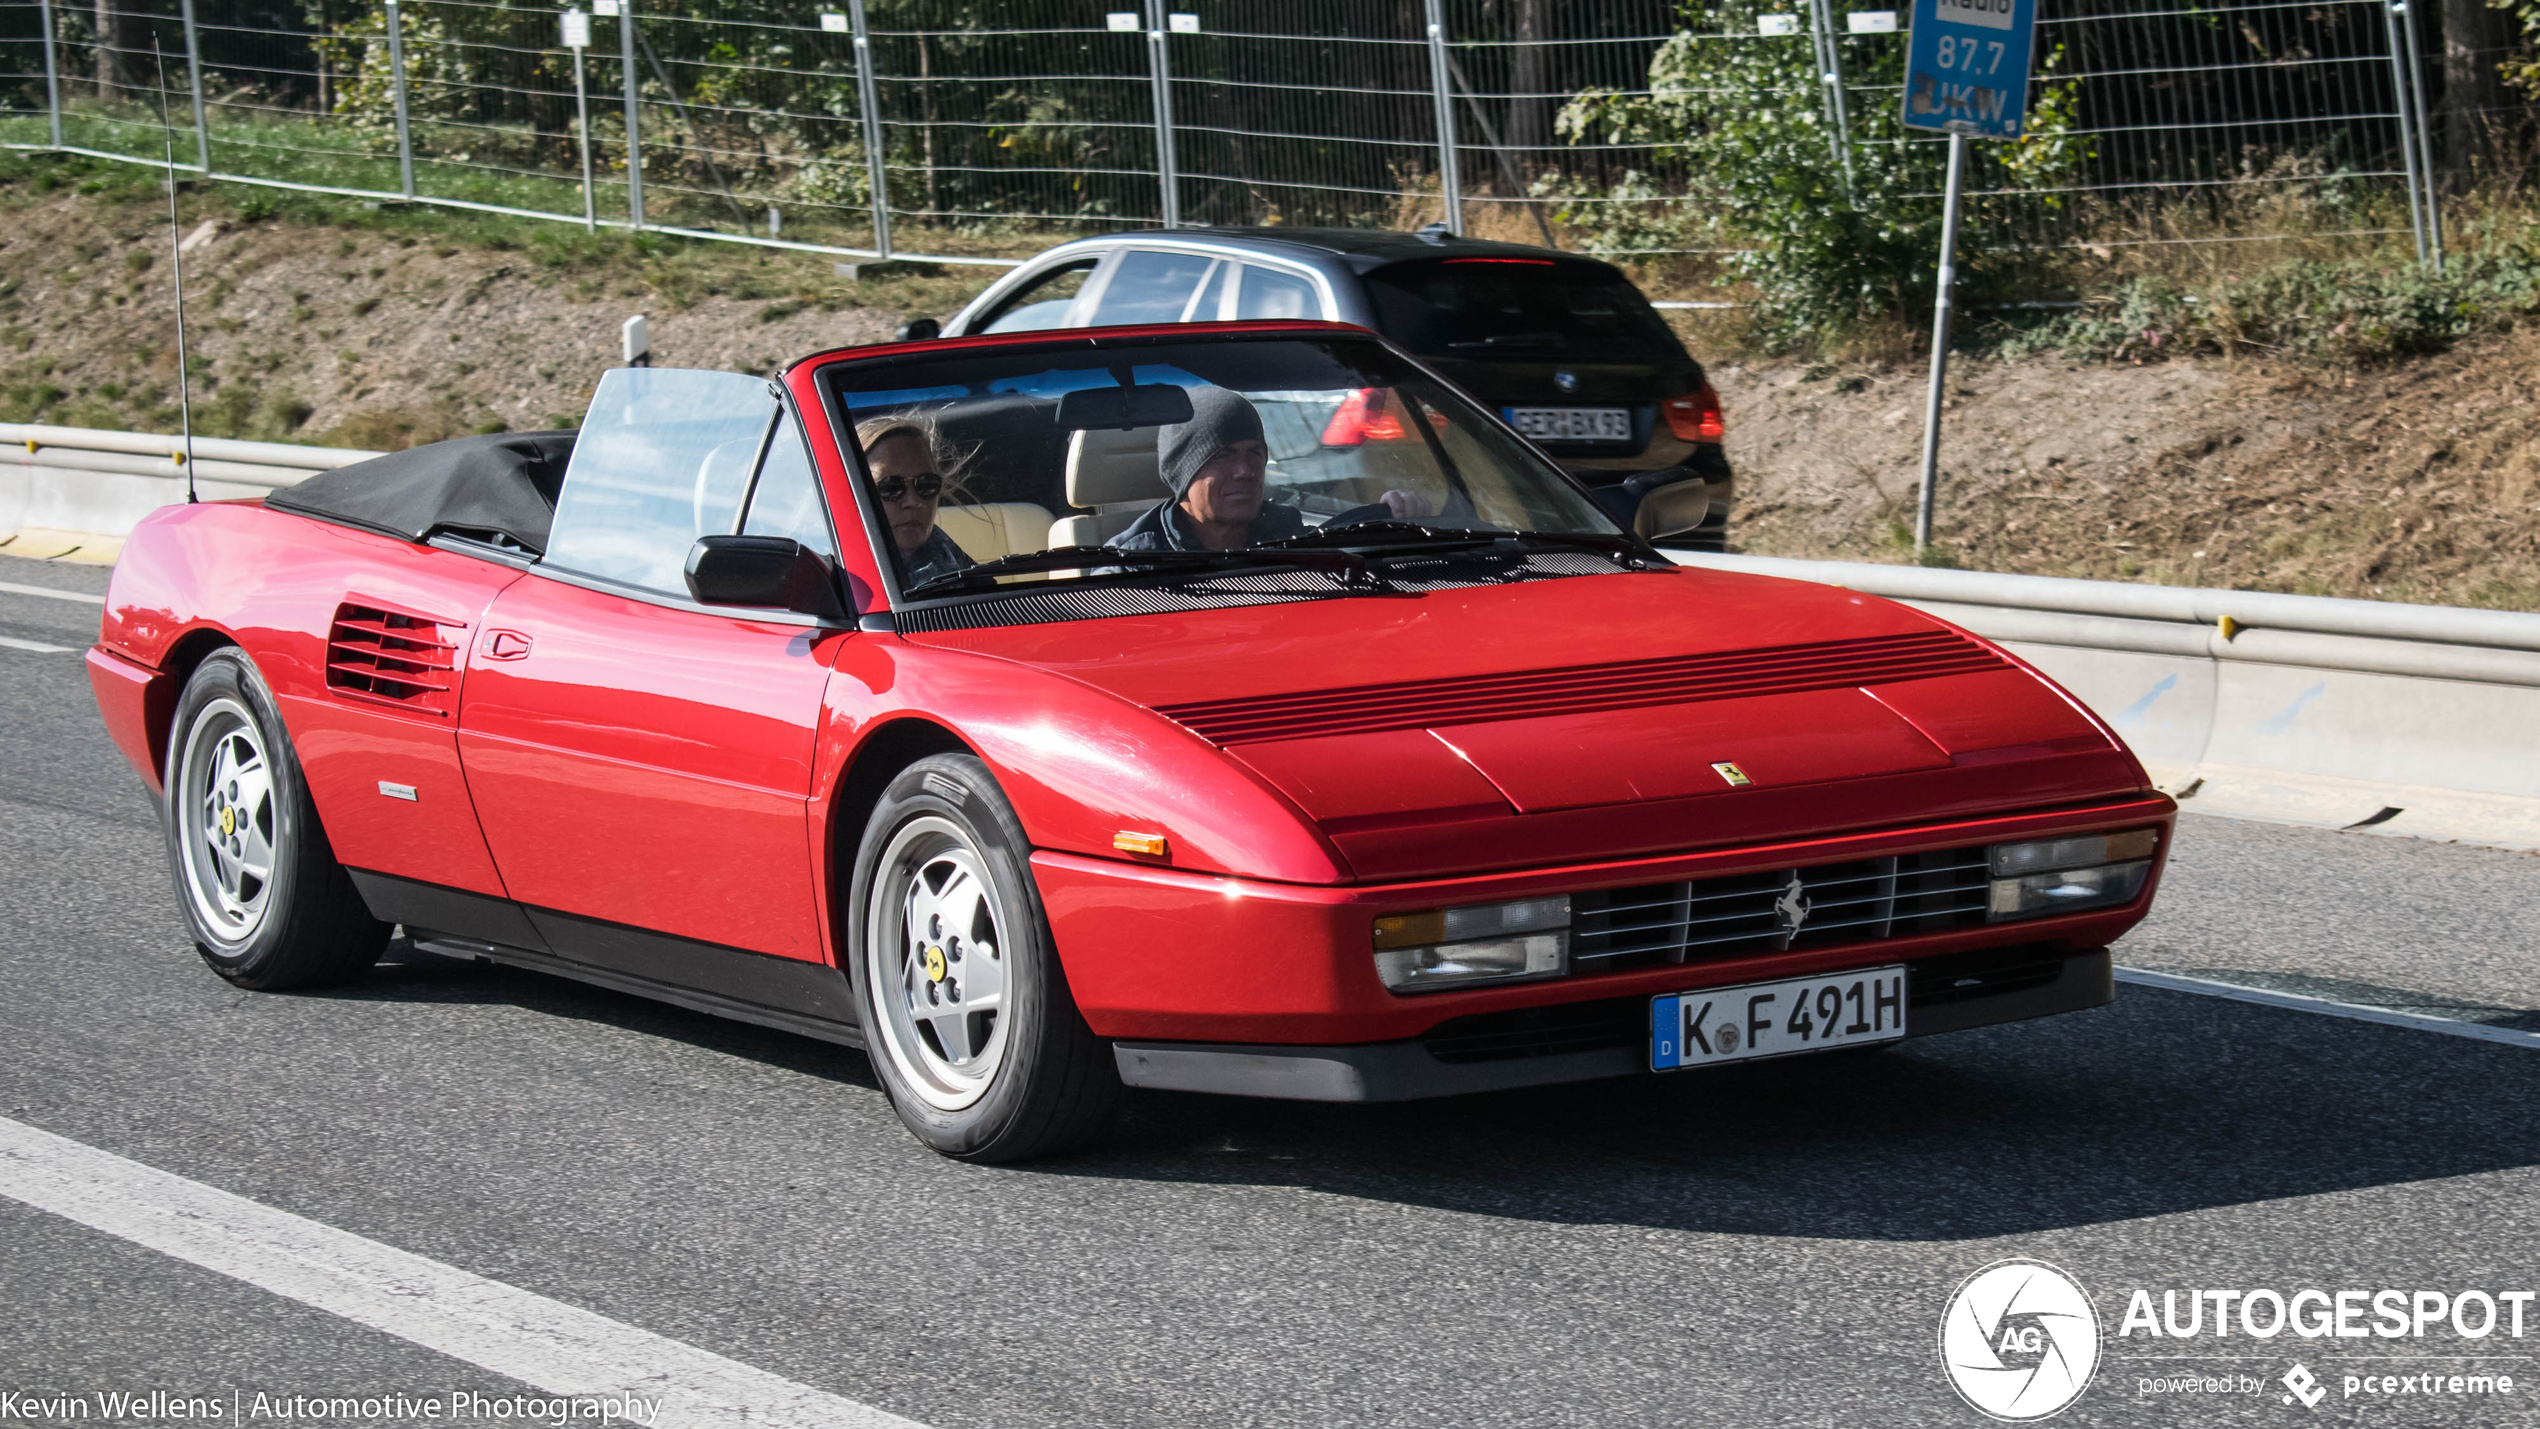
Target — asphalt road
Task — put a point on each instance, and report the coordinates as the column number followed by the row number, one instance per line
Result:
column 1768, row 1245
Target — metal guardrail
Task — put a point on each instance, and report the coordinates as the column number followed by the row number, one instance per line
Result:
column 2408, row 719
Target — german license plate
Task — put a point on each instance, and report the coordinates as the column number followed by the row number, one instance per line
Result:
column 1776, row 1019
column 1573, row 424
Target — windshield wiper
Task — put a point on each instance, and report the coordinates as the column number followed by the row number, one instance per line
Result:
column 1415, row 538
column 1062, row 558
column 1514, row 339
column 1379, row 533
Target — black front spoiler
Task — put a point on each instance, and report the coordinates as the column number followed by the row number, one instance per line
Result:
column 1409, row 1070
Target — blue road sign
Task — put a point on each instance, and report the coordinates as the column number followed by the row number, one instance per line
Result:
column 1966, row 66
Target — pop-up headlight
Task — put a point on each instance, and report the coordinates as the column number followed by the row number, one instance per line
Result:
column 2066, row 875
column 1480, row 943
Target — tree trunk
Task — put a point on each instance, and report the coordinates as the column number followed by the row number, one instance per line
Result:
column 113, row 35
column 2475, row 37
column 1529, row 78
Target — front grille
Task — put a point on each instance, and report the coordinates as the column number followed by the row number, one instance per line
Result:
column 1825, row 906
column 1610, row 1022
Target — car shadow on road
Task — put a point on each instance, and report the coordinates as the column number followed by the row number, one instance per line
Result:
column 2165, row 1102
column 405, row 974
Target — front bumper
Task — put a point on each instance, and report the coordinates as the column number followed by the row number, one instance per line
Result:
column 1579, row 1042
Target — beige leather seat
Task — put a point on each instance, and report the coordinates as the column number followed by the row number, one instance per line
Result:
column 997, row 528
column 1115, row 474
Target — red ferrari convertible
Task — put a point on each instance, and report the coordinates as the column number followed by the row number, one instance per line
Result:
column 1232, row 708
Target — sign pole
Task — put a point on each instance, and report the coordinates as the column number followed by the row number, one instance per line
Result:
column 1924, row 492
column 1966, row 76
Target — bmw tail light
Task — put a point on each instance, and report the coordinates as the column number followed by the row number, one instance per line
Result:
column 1366, row 415
column 1693, row 417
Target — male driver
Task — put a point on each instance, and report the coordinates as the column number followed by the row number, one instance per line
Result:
column 1215, row 464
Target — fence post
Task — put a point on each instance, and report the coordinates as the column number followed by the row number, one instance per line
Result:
column 194, row 83
column 634, row 124
column 877, row 181
column 1160, row 71
column 397, row 83
column 52, row 76
column 1830, row 76
column 576, row 34
column 2399, row 85
column 1442, row 98
column 2425, row 136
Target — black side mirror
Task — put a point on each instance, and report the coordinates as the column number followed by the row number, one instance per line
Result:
column 920, row 330
column 775, row 572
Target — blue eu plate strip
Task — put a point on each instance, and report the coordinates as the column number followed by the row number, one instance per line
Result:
column 1666, row 1024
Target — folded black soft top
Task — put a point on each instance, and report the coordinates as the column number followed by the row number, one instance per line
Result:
column 501, row 487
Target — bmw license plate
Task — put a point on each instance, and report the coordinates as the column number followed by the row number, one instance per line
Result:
column 1776, row 1019
column 1572, row 424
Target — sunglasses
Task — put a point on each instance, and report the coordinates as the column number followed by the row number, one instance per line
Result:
column 927, row 485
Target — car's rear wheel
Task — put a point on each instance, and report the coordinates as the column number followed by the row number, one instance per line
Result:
column 267, row 903
column 965, row 1008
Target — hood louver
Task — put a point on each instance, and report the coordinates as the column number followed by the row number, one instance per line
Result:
column 1432, row 704
column 393, row 657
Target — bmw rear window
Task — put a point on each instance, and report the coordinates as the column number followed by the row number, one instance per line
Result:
column 1518, row 307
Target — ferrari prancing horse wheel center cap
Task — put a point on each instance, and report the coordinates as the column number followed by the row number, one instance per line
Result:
column 934, row 965
column 228, row 821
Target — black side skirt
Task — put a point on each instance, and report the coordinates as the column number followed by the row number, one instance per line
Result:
column 788, row 994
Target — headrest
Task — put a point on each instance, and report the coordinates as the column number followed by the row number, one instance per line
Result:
column 1106, row 468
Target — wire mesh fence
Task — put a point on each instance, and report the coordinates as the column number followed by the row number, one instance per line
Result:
column 972, row 131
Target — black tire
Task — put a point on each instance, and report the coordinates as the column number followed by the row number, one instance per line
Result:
column 943, row 837
column 302, row 923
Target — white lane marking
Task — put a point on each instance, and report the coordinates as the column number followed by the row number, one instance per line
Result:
column 32, row 648
column 2328, row 1007
column 556, row 1347
column 83, row 597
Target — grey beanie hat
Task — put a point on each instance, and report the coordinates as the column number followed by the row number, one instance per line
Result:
column 1219, row 419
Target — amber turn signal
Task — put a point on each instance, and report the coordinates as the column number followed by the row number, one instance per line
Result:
column 1149, row 844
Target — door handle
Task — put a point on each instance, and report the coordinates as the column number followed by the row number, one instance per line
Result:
column 505, row 645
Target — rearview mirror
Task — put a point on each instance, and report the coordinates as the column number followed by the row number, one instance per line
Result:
column 1158, row 404
column 768, row 572
column 920, row 330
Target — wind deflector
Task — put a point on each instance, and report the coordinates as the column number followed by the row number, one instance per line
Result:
column 500, row 488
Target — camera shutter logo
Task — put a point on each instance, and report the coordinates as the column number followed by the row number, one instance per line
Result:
column 2019, row 1340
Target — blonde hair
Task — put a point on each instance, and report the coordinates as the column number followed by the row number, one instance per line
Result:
column 919, row 427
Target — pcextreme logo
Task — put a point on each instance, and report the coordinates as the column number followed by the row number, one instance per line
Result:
column 2019, row 1340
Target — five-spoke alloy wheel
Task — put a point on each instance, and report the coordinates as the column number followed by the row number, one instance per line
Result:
column 268, row 904
column 965, row 1008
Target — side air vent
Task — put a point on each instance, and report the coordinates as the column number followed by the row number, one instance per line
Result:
column 1684, row 679
column 394, row 657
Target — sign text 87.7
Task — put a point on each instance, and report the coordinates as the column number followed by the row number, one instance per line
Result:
column 1971, row 56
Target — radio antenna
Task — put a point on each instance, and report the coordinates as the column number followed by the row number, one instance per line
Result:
column 176, row 264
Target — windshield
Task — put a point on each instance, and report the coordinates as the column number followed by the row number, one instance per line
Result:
column 1547, row 308
column 1175, row 453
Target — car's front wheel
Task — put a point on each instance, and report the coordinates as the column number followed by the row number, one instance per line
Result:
column 268, row 904
column 966, row 1011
